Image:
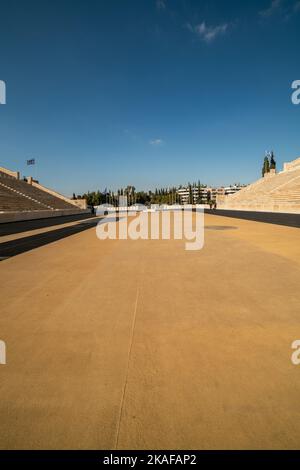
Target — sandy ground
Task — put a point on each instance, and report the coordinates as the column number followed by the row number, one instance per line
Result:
column 143, row 345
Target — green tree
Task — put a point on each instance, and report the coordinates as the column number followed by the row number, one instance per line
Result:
column 272, row 162
column 190, row 194
column 199, row 200
column 266, row 166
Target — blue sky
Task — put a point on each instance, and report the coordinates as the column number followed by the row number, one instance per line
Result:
column 150, row 93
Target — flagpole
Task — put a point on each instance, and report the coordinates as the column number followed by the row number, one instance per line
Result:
column 34, row 172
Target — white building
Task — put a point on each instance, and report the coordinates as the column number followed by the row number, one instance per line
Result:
column 206, row 193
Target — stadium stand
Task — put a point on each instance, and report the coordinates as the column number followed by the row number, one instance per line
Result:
column 273, row 193
column 21, row 196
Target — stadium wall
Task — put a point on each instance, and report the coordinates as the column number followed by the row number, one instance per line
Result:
column 10, row 173
column 32, row 215
column 256, row 207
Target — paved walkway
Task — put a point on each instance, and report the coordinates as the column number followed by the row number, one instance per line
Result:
column 278, row 218
column 141, row 344
column 24, row 226
column 17, row 243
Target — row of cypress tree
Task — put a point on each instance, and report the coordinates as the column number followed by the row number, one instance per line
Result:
column 269, row 164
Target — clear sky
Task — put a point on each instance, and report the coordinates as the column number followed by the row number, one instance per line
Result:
column 106, row 93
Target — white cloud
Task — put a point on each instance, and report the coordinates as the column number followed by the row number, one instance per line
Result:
column 160, row 4
column 273, row 8
column 156, row 142
column 208, row 33
column 280, row 7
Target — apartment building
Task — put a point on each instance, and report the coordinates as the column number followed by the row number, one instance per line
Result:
column 207, row 193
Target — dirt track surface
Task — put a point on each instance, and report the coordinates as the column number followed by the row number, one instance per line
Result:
column 143, row 345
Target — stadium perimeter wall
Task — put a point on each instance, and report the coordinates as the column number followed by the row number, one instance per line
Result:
column 43, row 214
column 225, row 204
